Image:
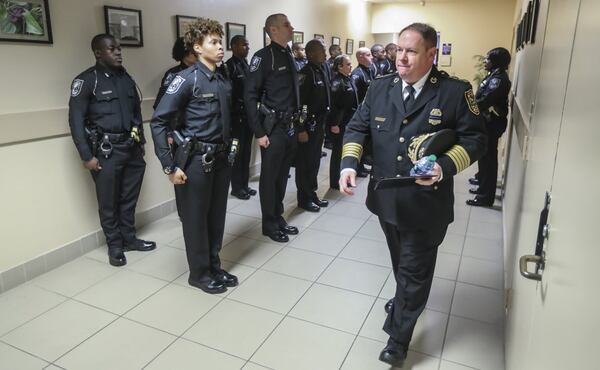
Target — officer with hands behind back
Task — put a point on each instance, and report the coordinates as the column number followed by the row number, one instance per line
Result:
column 106, row 125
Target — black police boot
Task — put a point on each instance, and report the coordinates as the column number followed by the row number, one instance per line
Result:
column 277, row 236
column 321, row 202
column 250, row 191
column 241, row 194
column 290, row 230
column 473, row 181
column 229, row 280
column 388, row 306
column 474, row 191
column 309, row 206
column 210, row 285
column 116, row 257
column 139, row 245
column 393, row 353
column 480, row 202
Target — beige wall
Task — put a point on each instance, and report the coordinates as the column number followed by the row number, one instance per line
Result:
column 47, row 198
column 472, row 26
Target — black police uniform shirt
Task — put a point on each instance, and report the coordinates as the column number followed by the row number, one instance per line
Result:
column 314, row 90
column 238, row 72
column 492, row 98
column 344, row 100
column 272, row 81
column 105, row 99
column 443, row 103
column 362, row 77
column 384, row 67
column 166, row 81
column 204, row 99
column 300, row 63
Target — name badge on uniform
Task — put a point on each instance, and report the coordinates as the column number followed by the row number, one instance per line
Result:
column 282, row 68
column 435, row 116
column 106, row 92
column 208, row 95
column 380, row 119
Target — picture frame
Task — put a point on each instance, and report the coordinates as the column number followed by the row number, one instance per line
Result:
column 234, row 29
column 266, row 38
column 298, row 36
column 319, row 36
column 349, row 46
column 181, row 21
column 125, row 25
column 362, row 44
column 536, row 14
column 335, row 40
column 30, row 24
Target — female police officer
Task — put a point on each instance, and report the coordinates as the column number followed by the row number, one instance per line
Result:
column 200, row 168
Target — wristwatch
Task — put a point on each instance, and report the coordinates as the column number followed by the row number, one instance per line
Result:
column 168, row 170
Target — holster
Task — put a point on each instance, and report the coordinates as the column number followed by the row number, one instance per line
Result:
column 269, row 118
column 184, row 152
column 92, row 135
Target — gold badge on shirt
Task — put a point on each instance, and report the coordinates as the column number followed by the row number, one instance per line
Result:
column 435, row 116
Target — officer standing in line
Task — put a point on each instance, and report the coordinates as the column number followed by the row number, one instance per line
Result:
column 400, row 111
column 272, row 101
column 362, row 77
column 201, row 168
column 390, row 52
column 380, row 61
column 492, row 98
column 238, row 70
column 315, row 96
column 185, row 58
column 106, row 125
column 334, row 51
column 299, row 55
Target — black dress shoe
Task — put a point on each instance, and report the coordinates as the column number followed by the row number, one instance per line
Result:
column 310, row 207
column 393, row 353
column 229, row 280
column 241, row 194
column 140, row 245
column 321, row 202
column 211, row 286
column 478, row 202
column 291, row 230
column 278, row 236
column 473, row 181
column 388, row 306
column 116, row 257
column 474, row 191
column 250, row 191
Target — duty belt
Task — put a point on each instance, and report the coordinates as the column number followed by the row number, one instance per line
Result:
column 201, row 147
column 116, row 138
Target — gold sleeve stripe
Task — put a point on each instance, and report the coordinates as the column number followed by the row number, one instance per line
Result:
column 352, row 150
column 460, row 157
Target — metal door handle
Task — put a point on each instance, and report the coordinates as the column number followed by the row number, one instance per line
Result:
column 539, row 262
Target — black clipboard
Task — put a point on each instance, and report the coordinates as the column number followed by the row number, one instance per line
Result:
column 395, row 182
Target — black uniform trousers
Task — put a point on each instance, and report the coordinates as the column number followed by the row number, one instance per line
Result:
column 336, row 158
column 203, row 203
column 488, row 163
column 308, row 161
column 241, row 167
column 276, row 161
column 118, row 186
column 413, row 255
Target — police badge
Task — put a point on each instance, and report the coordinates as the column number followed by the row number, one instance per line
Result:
column 435, row 116
column 175, row 85
column 76, row 87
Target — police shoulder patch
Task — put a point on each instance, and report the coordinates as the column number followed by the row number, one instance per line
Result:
column 494, row 83
column 175, row 85
column 470, row 98
column 76, row 87
column 168, row 79
column 255, row 63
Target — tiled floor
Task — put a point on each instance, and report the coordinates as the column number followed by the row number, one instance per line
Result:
column 313, row 303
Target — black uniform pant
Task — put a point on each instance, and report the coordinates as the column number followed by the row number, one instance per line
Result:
column 203, row 201
column 241, row 168
column 118, row 186
column 336, row 158
column 308, row 161
column 413, row 255
column 276, row 161
column 488, row 163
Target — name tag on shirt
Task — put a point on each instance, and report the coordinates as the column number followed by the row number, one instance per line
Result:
column 208, row 95
column 282, row 68
column 106, row 92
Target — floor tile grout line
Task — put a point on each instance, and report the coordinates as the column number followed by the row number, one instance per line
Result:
column 27, row 352
column 2, row 335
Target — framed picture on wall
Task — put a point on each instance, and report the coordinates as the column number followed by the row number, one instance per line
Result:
column 335, row 40
column 298, row 37
column 234, row 29
column 181, row 22
column 318, row 36
column 266, row 38
column 349, row 46
column 361, row 44
column 534, row 22
column 125, row 25
column 25, row 21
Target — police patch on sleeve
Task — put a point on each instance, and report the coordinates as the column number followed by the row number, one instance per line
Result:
column 494, row 83
column 76, row 87
column 254, row 63
column 175, row 85
column 168, row 79
column 473, row 107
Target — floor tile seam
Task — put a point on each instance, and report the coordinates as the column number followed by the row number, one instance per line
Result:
column 2, row 335
column 262, row 343
column 360, row 261
column 311, row 251
column 254, row 363
column 160, row 353
column 147, row 274
column 478, row 285
column 458, row 363
column 493, row 324
column 500, row 262
column 24, row 351
column 222, row 298
column 500, row 238
column 86, row 339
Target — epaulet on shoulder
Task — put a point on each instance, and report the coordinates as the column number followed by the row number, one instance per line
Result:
column 188, row 70
column 389, row 75
column 86, row 72
column 458, row 79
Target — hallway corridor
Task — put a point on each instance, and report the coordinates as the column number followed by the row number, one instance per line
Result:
column 313, row 303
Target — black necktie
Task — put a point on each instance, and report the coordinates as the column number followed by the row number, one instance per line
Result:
column 410, row 99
